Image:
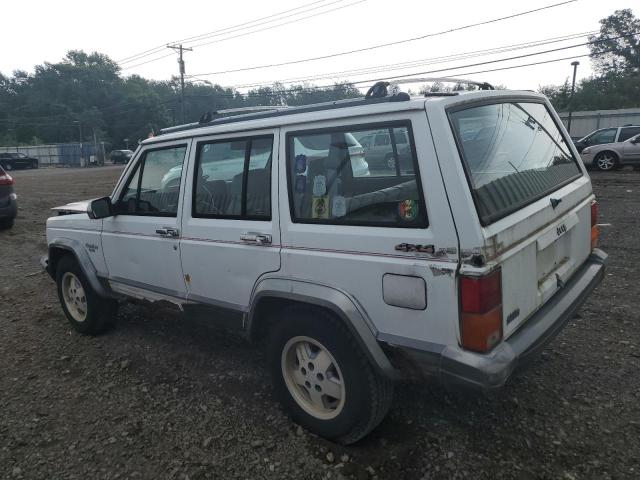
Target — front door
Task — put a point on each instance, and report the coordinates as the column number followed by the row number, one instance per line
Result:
column 230, row 222
column 141, row 243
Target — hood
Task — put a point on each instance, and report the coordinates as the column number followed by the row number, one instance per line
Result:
column 73, row 207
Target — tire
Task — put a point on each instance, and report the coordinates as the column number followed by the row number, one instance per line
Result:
column 99, row 313
column 390, row 161
column 8, row 167
column 34, row 165
column 6, row 223
column 606, row 161
column 332, row 362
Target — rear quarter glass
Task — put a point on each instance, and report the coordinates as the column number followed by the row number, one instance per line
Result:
column 513, row 154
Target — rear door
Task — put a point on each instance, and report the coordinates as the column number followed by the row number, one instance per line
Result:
column 530, row 195
column 631, row 149
column 230, row 221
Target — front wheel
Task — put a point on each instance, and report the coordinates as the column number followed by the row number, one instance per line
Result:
column 34, row 165
column 323, row 378
column 606, row 161
column 87, row 312
column 8, row 167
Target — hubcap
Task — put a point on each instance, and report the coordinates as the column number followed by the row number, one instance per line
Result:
column 391, row 162
column 606, row 162
column 74, row 297
column 313, row 377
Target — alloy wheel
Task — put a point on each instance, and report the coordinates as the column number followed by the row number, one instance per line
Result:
column 74, row 297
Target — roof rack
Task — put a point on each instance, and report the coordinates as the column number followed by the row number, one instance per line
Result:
column 378, row 93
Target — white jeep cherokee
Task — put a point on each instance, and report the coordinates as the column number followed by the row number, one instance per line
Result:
column 463, row 257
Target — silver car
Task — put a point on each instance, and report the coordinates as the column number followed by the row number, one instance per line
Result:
column 613, row 155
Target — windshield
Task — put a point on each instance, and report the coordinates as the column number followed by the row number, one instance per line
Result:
column 514, row 154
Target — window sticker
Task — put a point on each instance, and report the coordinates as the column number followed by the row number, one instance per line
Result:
column 301, row 184
column 300, row 163
column 319, row 185
column 408, row 210
column 320, row 207
column 339, row 207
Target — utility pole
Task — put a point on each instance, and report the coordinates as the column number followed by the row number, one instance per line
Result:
column 573, row 89
column 180, row 49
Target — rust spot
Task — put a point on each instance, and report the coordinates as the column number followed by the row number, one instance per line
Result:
column 187, row 278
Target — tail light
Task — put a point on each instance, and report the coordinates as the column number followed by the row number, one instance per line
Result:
column 594, row 224
column 481, row 311
column 5, row 179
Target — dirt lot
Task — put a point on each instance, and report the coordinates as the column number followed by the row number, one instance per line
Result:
column 160, row 397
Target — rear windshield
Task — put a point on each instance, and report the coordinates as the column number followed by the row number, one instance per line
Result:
column 514, row 154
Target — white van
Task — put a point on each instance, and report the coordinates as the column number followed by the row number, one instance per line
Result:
column 463, row 262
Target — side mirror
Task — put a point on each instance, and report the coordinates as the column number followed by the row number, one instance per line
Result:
column 100, row 208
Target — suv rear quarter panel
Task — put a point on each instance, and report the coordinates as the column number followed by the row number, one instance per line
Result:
column 355, row 259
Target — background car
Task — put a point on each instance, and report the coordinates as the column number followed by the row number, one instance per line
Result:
column 613, row 155
column 120, row 156
column 8, row 200
column 607, row 135
column 12, row 160
column 377, row 148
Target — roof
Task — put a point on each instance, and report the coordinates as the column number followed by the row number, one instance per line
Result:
column 281, row 116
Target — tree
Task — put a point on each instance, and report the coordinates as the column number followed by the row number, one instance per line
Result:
column 617, row 47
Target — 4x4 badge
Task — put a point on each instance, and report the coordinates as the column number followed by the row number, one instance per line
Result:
column 410, row 247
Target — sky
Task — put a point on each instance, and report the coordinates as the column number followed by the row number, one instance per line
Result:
column 43, row 31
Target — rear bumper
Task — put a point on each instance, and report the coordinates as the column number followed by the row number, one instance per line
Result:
column 9, row 210
column 455, row 365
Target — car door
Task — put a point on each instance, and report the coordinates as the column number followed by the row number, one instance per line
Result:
column 141, row 243
column 230, row 225
column 631, row 149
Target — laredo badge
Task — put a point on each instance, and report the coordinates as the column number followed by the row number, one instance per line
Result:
column 408, row 210
column 320, row 207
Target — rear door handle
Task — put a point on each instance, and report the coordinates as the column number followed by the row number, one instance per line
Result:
column 168, row 232
column 258, row 238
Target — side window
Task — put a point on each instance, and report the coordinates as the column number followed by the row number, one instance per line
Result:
column 154, row 187
column 628, row 132
column 233, row 179
column 604, row 136
column 323, row 189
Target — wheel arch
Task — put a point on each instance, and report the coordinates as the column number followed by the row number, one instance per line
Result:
column 60, row 247
column 273, row 294
column 615, row 155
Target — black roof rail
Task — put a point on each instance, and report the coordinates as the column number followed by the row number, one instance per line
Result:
column 209, row 119
column 480, row 85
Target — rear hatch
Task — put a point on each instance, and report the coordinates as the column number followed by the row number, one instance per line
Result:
column 532, row 198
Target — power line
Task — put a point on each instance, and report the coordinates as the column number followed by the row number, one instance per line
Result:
column 415, row 63
column 388, row 44
column 259, row 30
column 159, row 48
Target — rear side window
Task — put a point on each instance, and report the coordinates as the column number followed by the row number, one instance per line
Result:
column 513, row 153
column 233, row 179
column 603, row 136
column 336, row 179
column 628, row 132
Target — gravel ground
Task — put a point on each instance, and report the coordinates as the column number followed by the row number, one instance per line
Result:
column 161, row 397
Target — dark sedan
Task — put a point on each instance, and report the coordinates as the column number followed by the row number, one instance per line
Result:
column 8, row 200
column 9, row 161
column 121, row 156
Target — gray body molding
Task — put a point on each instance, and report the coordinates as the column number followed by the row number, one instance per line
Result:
column 89, row 270
column 341, row 303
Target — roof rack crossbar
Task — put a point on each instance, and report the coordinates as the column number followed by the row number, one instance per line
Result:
column 481, row 85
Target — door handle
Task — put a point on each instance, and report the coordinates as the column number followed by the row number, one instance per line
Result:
column 258, row 238
column 168, row 232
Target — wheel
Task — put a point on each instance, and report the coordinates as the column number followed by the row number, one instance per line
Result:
column 34, row 164
column 8, row 167
column 606, row 161
column 87, row 312
column 6, row 223
column 323, row 378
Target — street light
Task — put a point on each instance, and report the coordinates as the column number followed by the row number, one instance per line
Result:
column 573, row 89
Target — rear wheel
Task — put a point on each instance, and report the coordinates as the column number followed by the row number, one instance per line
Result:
column 8, row 167
column 323, row 377
column 87, row 312
column 34, row 164
column 606, row 161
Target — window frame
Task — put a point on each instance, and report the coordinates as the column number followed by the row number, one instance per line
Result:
column 391, row 124
column 465, row 166
column 142, row 158
column 622, row 132
column 248, row 139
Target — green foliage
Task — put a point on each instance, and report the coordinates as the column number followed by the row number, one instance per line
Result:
column 85, row 94
column 617, row 63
